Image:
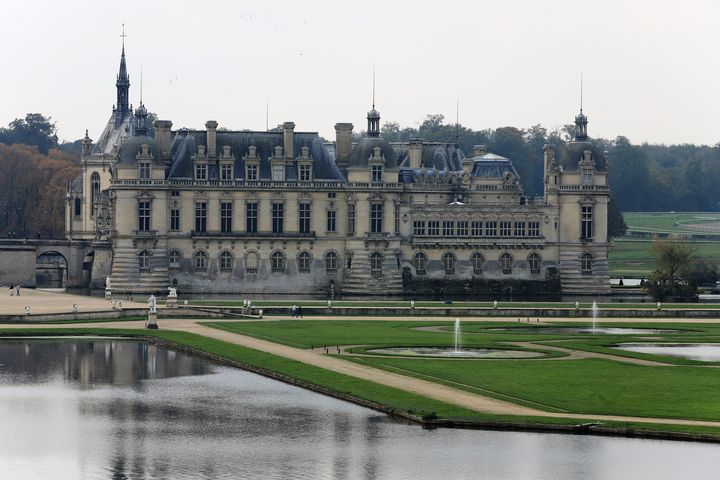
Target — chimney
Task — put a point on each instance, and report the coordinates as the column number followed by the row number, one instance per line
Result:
column 86, row 144
column 211, row 126
column 415, row 154
column 343, row 143
column 162, row 136
column 548, row 156
column 288, row 139
column 479, row 150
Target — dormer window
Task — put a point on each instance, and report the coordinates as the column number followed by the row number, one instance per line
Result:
column 201, row 171
column 144, row 170
column 278, row 173
column 252, row 164
column 252, row 172
column 305, row 173
column 226, row 171
column 304, row 163
column 377, row 174
column 587, row 176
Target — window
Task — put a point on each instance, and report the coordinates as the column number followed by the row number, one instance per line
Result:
column 396, row 218
column 376, row 217
column 434, row 228
column 200, row 217
column 506, row 263
column 278, row 217
column 277, row 262
column 94, row 192
column 519, row 229
column 226, row 213
column 534, row 261
column 351, row 219
column 251, row 263
column 331, row 224
column 278, row 173
column 144, row 261
column 144, row 216
column 587, row 176
column 332, row 194
column 174, row 219
column 376, row 261
column 377, row 174
column 200, row 171
column 226, row 171
column 462, row 229
column 251, row 217
column 200, row 261
column 331, row 263
column 491, row 229
column 226, row 262
column 419, row 227
column 305, row 173
column 448, row 260
column 252, row 172
column 78, row 207
column 420, row 261
column 586, row 223
column 586, row 264
column 476, row 229
column 478, row 261
column 174, row 259
column 533, row 229
column 304, row 218
column 448, row 229
column 144, row 169
column 175, row 193
column 505, row 229
column 304, row 260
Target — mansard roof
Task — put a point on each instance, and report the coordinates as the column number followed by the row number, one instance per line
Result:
column 441, row 156
column 491, row 165
column 363, row 150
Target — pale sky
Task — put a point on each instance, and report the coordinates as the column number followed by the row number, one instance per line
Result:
column 650, row 68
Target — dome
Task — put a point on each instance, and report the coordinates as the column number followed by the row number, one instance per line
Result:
column 132, row 146
column 492, row 166
column 362, row 152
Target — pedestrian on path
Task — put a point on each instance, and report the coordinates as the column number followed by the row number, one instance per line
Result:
column 17, row 290
column 299, row 311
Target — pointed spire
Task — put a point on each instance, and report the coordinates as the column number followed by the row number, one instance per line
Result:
column 122, row 84
column 373, row 116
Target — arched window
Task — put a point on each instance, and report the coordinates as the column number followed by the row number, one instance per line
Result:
column 94, row 191
column 226, row 262
column 144, row 261
column 478, row 262
column 534, row 261
column 376, row 261
column 420, row 261
column 277, row 262
column 448, row 260
column 251, row 263
column 200, row 261
column 506, row 263
column 586, row 264
column 304, row 261
column 174, row 259
column 331, row 263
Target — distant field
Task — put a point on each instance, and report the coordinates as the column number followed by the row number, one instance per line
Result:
column 667, row 222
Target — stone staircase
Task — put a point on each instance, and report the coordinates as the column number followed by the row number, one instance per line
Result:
column 126, row 277
column 358, row 280
column 574, row 282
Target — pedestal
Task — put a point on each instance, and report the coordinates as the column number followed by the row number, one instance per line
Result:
column 172, row 302
column 151, row 322
column 108, row 294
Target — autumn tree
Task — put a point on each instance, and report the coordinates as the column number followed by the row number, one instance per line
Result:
column 675, row 260
column 35, row 129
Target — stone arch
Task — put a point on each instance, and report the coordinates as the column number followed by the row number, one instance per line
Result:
column 278, row 261
column 201, row 261
column 226, row 261
column 304, row 261
column 252, row 261
column 449, row 261
column 332, row 262
column 51, row 270
column 376, row 264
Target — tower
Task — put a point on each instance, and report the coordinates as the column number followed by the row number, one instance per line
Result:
column 122, row 84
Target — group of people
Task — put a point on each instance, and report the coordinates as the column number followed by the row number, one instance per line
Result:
column 296, row 311
column 14, row 290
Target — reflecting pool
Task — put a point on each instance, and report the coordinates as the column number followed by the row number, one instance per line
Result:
column 692, row 351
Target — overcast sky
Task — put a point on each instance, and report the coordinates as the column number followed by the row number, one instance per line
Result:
column 651, row 70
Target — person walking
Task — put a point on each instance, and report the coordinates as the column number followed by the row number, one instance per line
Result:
column 299, row 311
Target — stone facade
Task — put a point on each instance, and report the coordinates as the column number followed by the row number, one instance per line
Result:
column 278, row 211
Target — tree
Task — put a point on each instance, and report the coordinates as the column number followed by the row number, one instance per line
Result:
column 616, row 223
column 675, row 260
column 34, row 130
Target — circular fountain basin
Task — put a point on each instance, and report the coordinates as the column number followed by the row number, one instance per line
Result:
column 588, row 330
column 449, row 352
column 704, row 352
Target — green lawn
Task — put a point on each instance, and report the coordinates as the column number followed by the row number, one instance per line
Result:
column 633, row 257
column 666, row 222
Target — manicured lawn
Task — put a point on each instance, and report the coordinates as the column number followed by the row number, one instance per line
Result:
column 633, row 257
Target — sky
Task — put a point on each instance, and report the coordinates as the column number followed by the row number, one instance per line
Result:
column 650, row 69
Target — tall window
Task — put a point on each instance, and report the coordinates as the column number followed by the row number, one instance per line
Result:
column 200, row 261
column 201, row 217
column 144, row 261
column 331, row 223
column 396, row 219
column 448, row 229
column 144, row 216
column 462, row 229
column 448, row 260
column 587, row 176
column 174, row 259
column 506, row 263
column 377, row 174
column 491, row 229
column 505, row 230
column 519, row 229
column 304, row 218
column 278, row 217
column 533, row 229
column 586, row 264
column 226, row 262
column 226, row 171
column 226, row 214
column 252, row 172
column 305, row 173
column 78, row 206
column 95, row 192
column 304, row 260
column 478, row 262
column 144, row 170
column 251, row 217
column 419, row 227
column 351, row 220
column 586, row 223
column 277, row 262
column 200, row 171
column 376, row 260
column 175, row 219
column 434, row 228
column 534, row 261
column 476, row 229
column 420, row 261
column 376, row 217
column 331, row 263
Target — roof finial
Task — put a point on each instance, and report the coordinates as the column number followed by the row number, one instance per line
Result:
column 457, row 120
column 373, row 103
column 267, row 113
column 581, row 91
column 123, row 38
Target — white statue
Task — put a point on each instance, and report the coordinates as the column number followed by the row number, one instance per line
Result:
column 107, row 283
column 172, row 292
column 152, row 304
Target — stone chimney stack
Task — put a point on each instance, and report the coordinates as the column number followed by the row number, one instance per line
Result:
column 415, row 153
column 479, row 150
column 162, row 136
column 343, row 143
column 289, row 139
column 548, row 156
column 211, row 126
column 86, row 144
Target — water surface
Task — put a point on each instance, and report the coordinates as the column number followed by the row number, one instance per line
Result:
column 692, row 351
